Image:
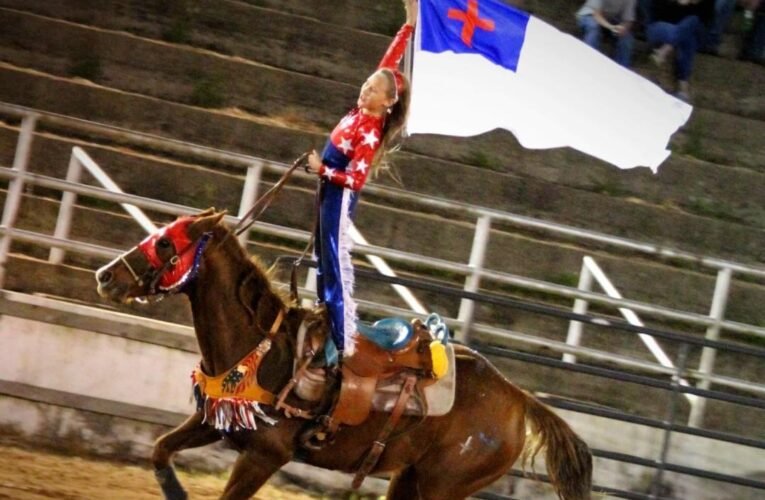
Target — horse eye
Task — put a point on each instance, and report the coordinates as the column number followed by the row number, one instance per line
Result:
column 163, row 243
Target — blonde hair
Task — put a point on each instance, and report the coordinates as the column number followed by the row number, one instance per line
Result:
column 393, row 122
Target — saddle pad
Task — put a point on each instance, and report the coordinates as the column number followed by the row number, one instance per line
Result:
column 440, row 395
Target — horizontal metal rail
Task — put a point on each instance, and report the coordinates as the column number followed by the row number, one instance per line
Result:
column 242, row 160
column 95, row 250
column 404, row 257
column 680, row 469
column 176, row 209
column 548, row 310
column 600, row 411
column 616, row 375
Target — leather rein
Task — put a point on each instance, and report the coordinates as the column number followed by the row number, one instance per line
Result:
column 153, row 276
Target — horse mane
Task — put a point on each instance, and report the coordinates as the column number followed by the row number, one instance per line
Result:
column 255, row 270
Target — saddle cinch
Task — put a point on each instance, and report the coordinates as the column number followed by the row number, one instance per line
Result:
column 393, row 360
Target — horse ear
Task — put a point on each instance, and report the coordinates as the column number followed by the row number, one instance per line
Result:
column 205, row 222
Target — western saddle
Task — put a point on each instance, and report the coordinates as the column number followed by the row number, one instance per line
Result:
column 413, row 353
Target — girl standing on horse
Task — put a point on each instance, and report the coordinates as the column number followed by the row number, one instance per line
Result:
column 355, row 148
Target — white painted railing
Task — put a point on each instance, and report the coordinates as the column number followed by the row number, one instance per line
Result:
column 474, row 270
column 590, row 270
column 78, row 160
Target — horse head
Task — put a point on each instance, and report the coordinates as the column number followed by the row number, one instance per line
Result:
column 163, row 263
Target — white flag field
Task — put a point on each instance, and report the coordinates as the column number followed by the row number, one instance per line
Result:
column 478, row 66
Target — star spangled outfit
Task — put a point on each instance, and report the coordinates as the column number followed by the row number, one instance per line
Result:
column 346, row 161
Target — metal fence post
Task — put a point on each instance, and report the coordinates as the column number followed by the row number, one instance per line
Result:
column 16, row 187
column 249, row 194
column 677, row 379
column 477, row 255
column 580, row 307
column 68, row 199
column 708, row 354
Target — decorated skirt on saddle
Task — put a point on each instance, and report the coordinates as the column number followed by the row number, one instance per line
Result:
column 373, row 377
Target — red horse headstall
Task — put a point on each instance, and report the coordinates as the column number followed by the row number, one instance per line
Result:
column 173, row 275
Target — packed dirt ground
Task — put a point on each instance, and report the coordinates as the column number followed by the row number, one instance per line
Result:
column 29, row 474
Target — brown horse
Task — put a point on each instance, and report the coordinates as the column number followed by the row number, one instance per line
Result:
column 234, row 306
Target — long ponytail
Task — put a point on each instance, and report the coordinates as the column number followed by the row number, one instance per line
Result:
column 393, row 124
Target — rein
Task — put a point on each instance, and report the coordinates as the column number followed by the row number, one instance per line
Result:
column 153, row 276
column 265, row 201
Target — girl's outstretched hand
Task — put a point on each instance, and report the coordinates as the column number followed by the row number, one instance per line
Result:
column 411, row 11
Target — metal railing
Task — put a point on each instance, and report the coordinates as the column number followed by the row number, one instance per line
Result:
column 660, row 464
column 473, row 271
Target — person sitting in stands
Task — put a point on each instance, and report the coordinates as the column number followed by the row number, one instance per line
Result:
column 614, row 18
column 677, row 27
column 753, row 48
column 722, row 13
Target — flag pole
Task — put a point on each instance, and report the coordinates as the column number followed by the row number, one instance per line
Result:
column 408, row 63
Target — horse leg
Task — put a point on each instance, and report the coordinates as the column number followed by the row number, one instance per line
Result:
column 252, row 469
column 403, row 485
column 479, row 454
column 190, row 434
column 442, row 485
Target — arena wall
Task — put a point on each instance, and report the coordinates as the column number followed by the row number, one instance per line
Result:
column 108, row 383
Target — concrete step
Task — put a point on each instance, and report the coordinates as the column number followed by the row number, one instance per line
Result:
column 172, row 72
column 177, row 73
column 319, row 39
column 267, row 35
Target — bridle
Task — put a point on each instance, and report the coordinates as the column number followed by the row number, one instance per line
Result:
column 153, row 275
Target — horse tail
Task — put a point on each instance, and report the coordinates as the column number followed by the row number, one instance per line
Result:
column 567, row 456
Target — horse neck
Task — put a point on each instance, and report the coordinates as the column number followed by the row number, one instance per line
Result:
column 233, row 307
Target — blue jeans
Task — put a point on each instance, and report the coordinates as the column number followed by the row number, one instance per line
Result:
column 754, row 40
column 684, row 37
column 723, row 13
column 592, row 34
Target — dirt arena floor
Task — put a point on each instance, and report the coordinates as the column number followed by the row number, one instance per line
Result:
column 29, row 474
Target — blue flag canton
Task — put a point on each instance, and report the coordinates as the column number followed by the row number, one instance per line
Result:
column 486, row 27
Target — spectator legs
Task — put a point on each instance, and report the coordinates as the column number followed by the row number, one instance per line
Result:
column 591, row 30
column 723, row 12
column 683, row 36
column 754, row 40
column 624, row 46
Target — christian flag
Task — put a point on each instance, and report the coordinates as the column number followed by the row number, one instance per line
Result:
column 481, row 64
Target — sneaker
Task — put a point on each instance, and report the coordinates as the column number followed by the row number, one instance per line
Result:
column 683, row 96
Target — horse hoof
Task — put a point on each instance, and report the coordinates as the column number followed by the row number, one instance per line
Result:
column 171, row 487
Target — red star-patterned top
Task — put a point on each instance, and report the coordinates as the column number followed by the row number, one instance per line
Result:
column 357, row 136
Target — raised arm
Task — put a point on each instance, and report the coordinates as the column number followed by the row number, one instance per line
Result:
column 395, row 51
